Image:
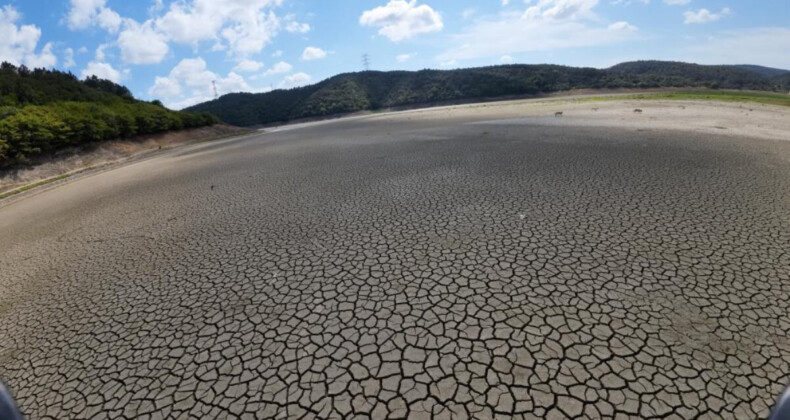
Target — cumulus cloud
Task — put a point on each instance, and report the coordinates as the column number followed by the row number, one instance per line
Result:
column 102, row 71
column 241, row 27
column 84, row 13
column 109, row 20
column 704, row 15
column 100, row 55
column 402, row 58
column 507, row 59
column 190, row 82
column 141, row 44
column 46, row 58
column 165, row 87
column 185, row 24
column 545, row 26
column 18, row 43
column 677, row 2
column 279, row 68
column 399, row 19
column 246, row 27
column 295, row 80
column 68, row 58
column 248, row 66
column 313, row 53
column 250, row 37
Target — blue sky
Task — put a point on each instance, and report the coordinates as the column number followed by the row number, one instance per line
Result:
column 173, row 50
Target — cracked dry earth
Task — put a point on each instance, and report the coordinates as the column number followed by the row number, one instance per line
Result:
column 394, row 268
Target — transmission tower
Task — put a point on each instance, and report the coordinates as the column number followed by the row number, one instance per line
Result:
column 366, row 61
column 216, row 94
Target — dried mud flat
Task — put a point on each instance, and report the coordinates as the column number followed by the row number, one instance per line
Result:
column 483, row 261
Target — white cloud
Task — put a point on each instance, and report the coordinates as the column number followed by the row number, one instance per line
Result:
column 193, row 73
column 157, row 6
column 102, row 71
column 141, row 44
column 109, row 20
column 248, row 66
column 100, row 55
column 704, row 15
column 402, row 58
column 294, row 27
column 279, row 68
column 561, row 9
column 547, row 26
column 45, row 59
column 313, row 53
column 190, row 82
column 18, row 43
column 241, row 27
column 250, row 36
column 246, row 26
column 83, row 12
column 622, row 26
column 297, row 28
column 401, row 20
column 295, row 80
column 68, row 58
column 764, row 46
column 187, row 24
column 278, row 53
column 677, row 2
column 506, row 59
column 165, row 87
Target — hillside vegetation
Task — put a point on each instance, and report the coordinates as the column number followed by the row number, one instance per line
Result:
column 42, row 111
column 372, row 90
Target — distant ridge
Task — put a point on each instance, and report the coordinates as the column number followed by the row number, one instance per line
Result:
column 371, row 90
column 765, row 71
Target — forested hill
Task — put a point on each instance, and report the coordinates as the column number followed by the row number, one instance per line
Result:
column 42, row 111
column 372, row 90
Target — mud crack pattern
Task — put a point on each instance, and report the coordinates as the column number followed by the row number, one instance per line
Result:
column 408, row 270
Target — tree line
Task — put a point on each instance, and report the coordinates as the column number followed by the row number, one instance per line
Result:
column 42, row 111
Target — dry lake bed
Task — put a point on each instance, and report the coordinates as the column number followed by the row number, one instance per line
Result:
column 484, row 261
